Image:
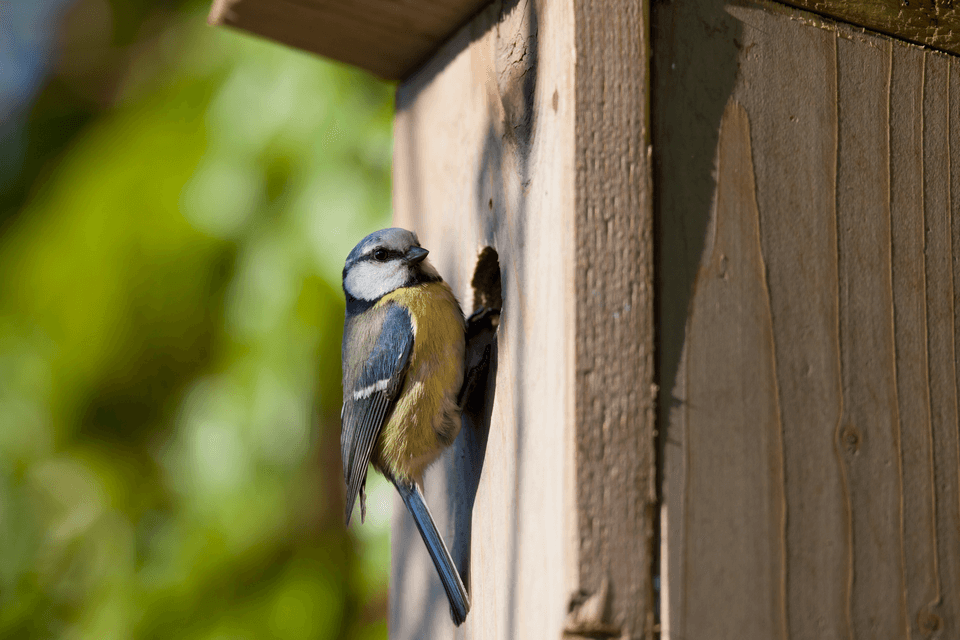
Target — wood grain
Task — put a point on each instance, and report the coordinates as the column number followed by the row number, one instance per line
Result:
column 527, row 133
column 866, row 429
column 388, row 38
column 826, row 504
column 616, row 490
column 730, row 322
column 935, row 23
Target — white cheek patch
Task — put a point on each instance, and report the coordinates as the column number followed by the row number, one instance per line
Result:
column 369, row 281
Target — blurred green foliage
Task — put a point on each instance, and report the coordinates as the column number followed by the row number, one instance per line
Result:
column 170, row 321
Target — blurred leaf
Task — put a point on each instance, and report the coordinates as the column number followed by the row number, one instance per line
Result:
column 170, row 322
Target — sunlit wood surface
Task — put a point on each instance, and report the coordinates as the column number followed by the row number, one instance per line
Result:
column 527, row 133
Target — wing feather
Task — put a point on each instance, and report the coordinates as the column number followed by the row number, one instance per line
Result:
column 368, row 404
column 365, row 435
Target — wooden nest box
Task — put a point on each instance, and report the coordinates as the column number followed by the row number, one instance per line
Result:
column 727, row 394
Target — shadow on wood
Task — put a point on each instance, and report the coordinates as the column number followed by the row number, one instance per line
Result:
column 694, row 74
column 471, row 444
column 811, row 460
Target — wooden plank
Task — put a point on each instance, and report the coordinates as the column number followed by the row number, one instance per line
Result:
column 846, row 158
column 791, row 131
column 616, row 490
column 944, row 613
column 501, row 141
column 909, row 321
column 391, row 38
column 728, row 484
column 866, row 431
column 935, row 23
column 386, row 37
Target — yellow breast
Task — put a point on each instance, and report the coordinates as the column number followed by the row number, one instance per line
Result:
column 426, row 418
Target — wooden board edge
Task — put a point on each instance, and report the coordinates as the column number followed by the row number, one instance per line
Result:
column 615, row 373
column 926, row 24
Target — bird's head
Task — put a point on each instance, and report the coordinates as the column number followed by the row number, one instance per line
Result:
column 384, row 261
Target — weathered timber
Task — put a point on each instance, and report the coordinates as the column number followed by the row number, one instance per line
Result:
column 527, row 132
column 935, row 23
column 388, row 38
column 809, row 231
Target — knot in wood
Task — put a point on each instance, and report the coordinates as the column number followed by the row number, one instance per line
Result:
column 928, row 622
column 850, row 439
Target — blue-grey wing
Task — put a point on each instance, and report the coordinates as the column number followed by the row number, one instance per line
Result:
column 368, row 403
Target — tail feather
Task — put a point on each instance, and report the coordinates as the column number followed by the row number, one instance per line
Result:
column 449, row 576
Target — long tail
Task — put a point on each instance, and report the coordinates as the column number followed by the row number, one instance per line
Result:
column 452, row 584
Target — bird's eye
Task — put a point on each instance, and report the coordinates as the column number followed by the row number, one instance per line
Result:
column 380, row 255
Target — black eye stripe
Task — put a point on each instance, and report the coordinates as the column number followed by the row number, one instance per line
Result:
column 382, row 254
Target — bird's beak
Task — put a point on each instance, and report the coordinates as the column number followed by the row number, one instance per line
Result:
column 415, row 255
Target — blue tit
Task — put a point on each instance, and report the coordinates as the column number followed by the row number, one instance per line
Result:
column 403, row 367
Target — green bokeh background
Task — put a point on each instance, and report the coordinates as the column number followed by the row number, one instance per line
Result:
column 171, row 239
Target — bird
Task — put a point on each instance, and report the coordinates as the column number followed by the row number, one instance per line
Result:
column 403, row 369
